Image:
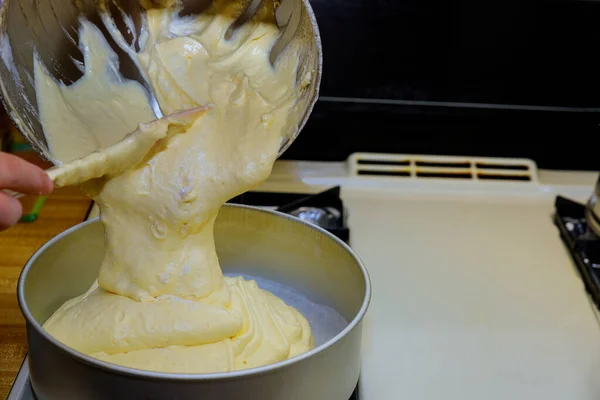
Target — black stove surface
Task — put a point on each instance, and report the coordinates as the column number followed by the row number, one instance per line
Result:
column 582, row 243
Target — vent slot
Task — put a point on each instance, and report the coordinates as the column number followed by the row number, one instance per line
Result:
column 456, row 175
column 384, row 173
column 405, row 163
column 508, row 167
column 442, row 164
column 504, row 177
column 442, row 167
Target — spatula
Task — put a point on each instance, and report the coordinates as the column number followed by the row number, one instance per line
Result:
column 122, row 155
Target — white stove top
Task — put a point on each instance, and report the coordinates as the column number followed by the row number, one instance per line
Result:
column 474, row 293
column 473, row 298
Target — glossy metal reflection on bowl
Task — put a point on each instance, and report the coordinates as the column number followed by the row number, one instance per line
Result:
column 48, row 30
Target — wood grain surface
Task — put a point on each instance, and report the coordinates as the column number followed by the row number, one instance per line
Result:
column 63, row 209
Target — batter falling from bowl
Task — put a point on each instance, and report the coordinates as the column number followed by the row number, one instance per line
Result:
column 161, row 302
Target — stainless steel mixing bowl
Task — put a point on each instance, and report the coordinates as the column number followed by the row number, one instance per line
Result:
column 250, row 241
column 49, row 28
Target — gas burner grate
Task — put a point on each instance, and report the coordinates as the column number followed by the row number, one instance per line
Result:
column 324, row 209
column 582, row 243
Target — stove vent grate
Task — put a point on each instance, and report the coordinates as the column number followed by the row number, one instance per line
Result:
column 442, row 167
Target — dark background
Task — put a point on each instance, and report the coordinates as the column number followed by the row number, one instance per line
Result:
column 512, row 78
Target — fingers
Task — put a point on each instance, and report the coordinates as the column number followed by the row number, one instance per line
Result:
column 22, row 176
column 10, row 211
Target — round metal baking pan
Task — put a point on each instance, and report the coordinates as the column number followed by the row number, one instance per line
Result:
column 304, row 264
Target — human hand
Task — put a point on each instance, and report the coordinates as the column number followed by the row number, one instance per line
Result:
column 21, row 176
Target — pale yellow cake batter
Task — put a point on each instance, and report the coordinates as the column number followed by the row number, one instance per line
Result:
column 161, row 302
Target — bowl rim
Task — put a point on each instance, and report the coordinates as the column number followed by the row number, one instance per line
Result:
column 191, row 377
